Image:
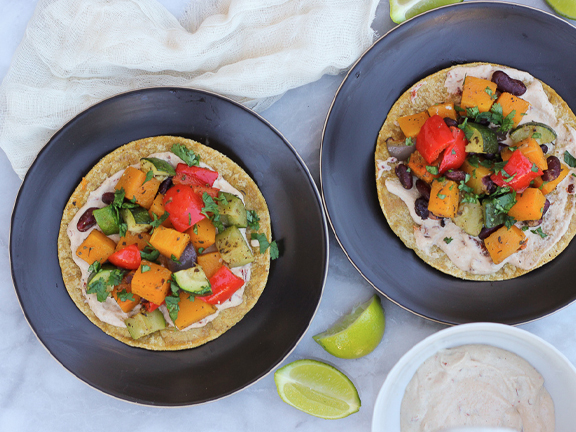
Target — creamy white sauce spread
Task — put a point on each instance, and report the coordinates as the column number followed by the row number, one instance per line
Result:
column 476, row 385
column 385, row 165
column 467, row 252
column 109, row 311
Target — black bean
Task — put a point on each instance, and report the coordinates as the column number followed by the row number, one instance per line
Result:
column 450, row 122
column 456, row 176
column 483, row 121
column 553, row 170
column 546, row 206
column 423, row 188
column 421, row 207
column 501, row 147
column 544, row 148
column 87, row 220
column 489, row 156
column 108, row 198
column 489, row 185
column 165, row 185
column 487, row 231
column 404, row 176
column 506, row 84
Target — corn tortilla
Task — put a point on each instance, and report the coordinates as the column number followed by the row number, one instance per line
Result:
column 129, row 154
column 431, row 90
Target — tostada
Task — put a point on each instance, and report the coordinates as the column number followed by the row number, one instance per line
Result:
column 165, row 244
column 475, row 171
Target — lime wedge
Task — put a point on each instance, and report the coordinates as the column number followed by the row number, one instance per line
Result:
column 566, row 8
column 317, row 389
column 357, row 333
column 401, row 10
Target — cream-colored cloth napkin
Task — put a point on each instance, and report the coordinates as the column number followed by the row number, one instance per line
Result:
column 76, row 53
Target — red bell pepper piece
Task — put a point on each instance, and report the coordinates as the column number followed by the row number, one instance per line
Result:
column 518, row 172
column 224, row 283
column 434, row 137
column 213, row 192
column 455, row 154
column 194, row 175
column 127, row 258
column 184, row 207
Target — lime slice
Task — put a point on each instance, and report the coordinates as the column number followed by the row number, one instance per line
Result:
column 357, row 333
column 401, row 10
column 317, row 388
column 566, row 8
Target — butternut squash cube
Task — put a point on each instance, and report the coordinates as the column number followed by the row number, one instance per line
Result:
column 529, row 205
column 504, row 242
column 444, row 198
column 139, row 239
column 474, row 93
column 202, row 234
column 96, row 247
column 418, row 164
column 510, row 103
column 131, row 180
column 411, row 124
column 210, row 263
column 476, row 174
column 169, row 242
column 151, row 282
column 443, row 110
column 145, row 193
column 529, row 148
column 126, row 305
column 157, row 208
column 547, row 187
column 192, row 310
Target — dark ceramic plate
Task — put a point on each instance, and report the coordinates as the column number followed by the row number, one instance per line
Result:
column 249, row 350
column 503, row 33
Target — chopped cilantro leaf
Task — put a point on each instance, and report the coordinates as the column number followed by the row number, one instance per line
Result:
column 172, row 306
column 173, row 258
column 539, row 232
column 94, row 267
column 188, row 156
column 149, row 176
column 210, row 210
column 253, row 220
column 125, row 295
column 409, row 141
column 534, row 167
column 200, row 250
column 536, row 135
column 447, row 240
column 569, row 159
column 195, row 229
column 441, row 196
column 525, row 228
column 149, row 253
column 159, row 220
column 508, row 122
column 509, row 221
column 145, row 268
column 432, row 169
column 492, row 94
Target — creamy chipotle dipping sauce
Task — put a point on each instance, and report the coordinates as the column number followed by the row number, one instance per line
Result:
column 476, row 385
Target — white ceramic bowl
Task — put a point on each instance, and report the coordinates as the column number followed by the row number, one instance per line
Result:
column 559, row 374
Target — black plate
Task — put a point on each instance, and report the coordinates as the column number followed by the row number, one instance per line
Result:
column 508, row 34
column 246, row 352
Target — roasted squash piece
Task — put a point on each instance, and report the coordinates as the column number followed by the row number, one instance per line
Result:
column 131, row 180
column 547, row 187
column 529, row 148
column 417, row 165
column 504, row 242
column 96, row 247
column 146, row 192
column 411, row 124
column 151, row 282
column 444, row 198
column 125, row 288
column 192, row 310
column 443, row 110
column 476, row 172
column 202, row 234
column 529, row 205
column 139, row 239
column 157, row 208
column 510, row 103
column 210, row 263
column 475, row 93
column 169, row 242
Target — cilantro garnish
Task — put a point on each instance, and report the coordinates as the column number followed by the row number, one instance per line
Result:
column 409, row 141
column 536, row 135
column 441, row 196
column 534, row 167
column 468, row 131
column 195, row 229
column 188, row 156
column 432, row 169
column 101, row 286
column 525, row 228
column 200, row 250
column 221, row 198
column 569, row 159
column 539, row 232
column 145, row 268
column 492, row 95
column 264, row 244
column 447, row 240
column 172, row 306
column 95, row 267
column 149, row 253
column 173, row 258
column 509, row 221
column 508, row 122
column 149, row 176
column 210, row 210
column 253, row 220
column 159, row 220
column 125, row 295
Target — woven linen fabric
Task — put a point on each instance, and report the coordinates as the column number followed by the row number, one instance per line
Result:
column 76, row 53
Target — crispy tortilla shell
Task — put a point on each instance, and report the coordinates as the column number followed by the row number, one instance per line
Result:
column 119, row 159
column 431, row 90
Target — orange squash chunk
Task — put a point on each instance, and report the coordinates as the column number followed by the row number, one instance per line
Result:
column 476, row 174
column 140, row 239
column 192, row 310
column 474, row 93
column 205, row 235
column 504, row 242
column 529, row 148
column 169, row 242
column 417, row 165
column 96, row 247
column 157, row 208
column 151, row 282
column 146, row 192
column 529, row 205
column 126, row 305
column 210, row 263
column 443, row 110
column 131, row 180
column 547, row 187
column 411, row 124
column 510, row 103
column 444, row 198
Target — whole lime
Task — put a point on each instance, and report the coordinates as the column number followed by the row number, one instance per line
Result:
column 357, row 333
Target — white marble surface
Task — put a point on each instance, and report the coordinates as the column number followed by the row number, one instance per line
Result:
column 36, row 393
